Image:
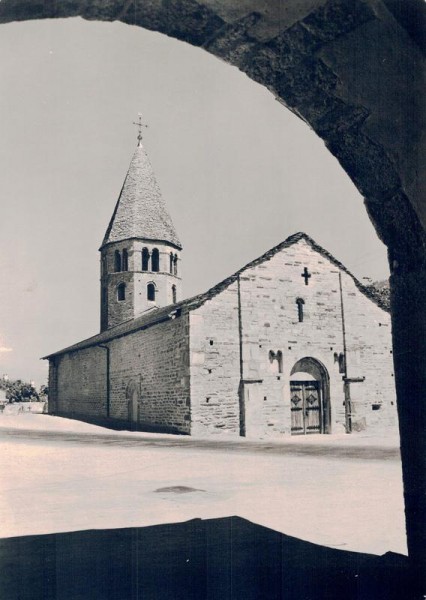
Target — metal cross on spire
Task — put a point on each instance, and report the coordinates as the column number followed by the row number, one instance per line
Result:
column 140, row 125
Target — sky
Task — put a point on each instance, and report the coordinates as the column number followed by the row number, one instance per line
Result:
column 239, row 173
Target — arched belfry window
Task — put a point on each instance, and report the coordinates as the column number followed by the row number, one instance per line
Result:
column 155, row 260
column 121, row 292
column 125, row 261
column 117, row 261
column 175, row 263
column 300, row 303
column 145, row 259
column 174, row 294
column 150, row 292
column 171, row 263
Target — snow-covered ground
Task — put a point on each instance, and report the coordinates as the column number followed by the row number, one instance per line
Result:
column 87, row 477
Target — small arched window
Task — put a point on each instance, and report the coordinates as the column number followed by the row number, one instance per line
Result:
column 117, row 261
column 150, row 292
column 279, row 357
column 174, row 294
column 175, row 262
column 125, row 261
column 276, row 360
column 145, row 259
column 300, row 302
column 121, row 292
column 155, row 260
column 171, row 263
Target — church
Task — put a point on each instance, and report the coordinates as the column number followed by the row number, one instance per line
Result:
column 291, row 344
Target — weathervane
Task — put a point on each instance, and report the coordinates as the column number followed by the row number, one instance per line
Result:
column 140, row 125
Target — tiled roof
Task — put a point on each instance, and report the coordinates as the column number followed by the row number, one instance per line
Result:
column 156, row 316
column 140, row 211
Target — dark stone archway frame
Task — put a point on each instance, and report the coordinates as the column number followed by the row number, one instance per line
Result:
column 354, row 71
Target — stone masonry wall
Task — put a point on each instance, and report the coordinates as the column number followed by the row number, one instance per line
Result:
column 215, row 365
column 154, row 361
column 114, row 311
column 369, row 351
column 53, row 386
column 270, row 322
column 81, row 383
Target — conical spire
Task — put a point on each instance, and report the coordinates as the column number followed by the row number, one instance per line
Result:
column 140, row 211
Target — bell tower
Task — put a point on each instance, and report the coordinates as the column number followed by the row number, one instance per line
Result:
column 140, row 252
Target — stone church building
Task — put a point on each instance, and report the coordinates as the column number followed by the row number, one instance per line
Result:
column 290, row 344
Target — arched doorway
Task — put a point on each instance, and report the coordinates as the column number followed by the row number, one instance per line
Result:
column 309, row 397
column 132, row 396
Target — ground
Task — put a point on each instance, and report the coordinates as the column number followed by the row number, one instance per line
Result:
column 61, row 475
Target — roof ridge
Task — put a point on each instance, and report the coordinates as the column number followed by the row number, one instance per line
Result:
column 198, row 300
column 289, row 241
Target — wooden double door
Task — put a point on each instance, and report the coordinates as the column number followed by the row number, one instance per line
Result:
column 306, row 407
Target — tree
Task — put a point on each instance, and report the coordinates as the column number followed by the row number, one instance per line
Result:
column 381, row 290
column 20, row 391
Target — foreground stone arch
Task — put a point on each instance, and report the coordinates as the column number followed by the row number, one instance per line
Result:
column 354, row 71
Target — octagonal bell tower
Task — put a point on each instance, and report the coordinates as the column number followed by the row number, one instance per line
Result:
column 140, row 252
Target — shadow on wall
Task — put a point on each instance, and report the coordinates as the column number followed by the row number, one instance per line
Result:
column 228, row 558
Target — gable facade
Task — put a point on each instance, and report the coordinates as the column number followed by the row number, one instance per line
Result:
column 242, row 359
column 248, row 345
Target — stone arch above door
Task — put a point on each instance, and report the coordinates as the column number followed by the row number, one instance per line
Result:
column 310, row 397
